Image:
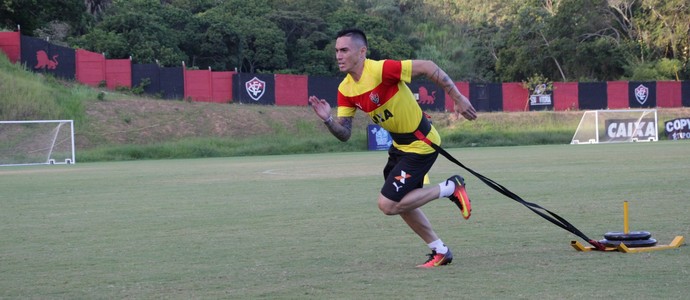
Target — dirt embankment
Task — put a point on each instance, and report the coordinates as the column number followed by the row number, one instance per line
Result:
column 143, row 121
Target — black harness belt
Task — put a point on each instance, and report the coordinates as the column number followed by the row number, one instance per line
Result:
column 421, row 133
column 407, row 138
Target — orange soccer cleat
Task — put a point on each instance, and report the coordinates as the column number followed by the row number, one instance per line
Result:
column 459, row 196
column 436, row 259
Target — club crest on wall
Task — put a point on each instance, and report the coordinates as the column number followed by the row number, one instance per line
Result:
column 641, row 93
column 255, row 88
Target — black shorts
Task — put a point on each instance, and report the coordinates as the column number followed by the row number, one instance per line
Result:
column 405, row 172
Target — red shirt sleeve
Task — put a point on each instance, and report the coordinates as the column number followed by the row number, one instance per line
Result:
column 391, row 71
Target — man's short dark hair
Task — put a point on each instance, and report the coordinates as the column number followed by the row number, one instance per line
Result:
column 355, row 34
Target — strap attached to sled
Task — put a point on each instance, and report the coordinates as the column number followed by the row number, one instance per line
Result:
column 543, row 212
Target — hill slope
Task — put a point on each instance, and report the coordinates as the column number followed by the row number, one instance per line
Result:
column 145, row 121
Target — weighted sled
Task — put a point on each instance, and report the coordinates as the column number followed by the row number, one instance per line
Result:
column 630, row 236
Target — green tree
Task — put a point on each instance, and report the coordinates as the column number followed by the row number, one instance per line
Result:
column 217, row 46
column 262, row 49
column 151, row 30
column 524, row 51
column 584, row 40
column 193, row 6
column 33, row 15
column 254, row 42
column 656, row 31
column 96, row 8
column 303, row 33
column 664, row 28
column 564, row 40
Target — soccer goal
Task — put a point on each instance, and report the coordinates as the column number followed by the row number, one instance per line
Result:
column 36, row 142
column 614, row 126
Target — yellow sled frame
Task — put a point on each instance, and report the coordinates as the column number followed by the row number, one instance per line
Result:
column 677, row 241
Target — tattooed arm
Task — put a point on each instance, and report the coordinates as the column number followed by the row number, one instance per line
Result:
column 438, row 76
column 341, row 129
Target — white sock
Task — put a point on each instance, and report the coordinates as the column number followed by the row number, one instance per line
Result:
column 439, row 246
column 447, row 188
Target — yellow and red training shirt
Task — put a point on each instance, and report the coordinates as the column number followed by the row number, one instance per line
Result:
column 381, row 92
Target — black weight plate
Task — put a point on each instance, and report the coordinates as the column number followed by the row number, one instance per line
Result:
column 632, row 235
column 630, row 244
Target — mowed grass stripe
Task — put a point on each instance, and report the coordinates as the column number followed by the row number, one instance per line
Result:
column 307, row 226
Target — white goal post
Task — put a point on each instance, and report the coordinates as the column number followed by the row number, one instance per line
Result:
column 617, row 126
column 42, row 142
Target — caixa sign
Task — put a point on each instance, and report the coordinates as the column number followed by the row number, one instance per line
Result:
column 678, row 129
column 627, row 129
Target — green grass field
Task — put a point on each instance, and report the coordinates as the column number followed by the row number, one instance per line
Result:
column 307, row 226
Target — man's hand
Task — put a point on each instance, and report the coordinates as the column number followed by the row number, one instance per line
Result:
column 320, row 107
column 465, row 108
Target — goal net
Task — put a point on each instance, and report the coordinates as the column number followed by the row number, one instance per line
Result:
column 613, row 126
column 36, row 142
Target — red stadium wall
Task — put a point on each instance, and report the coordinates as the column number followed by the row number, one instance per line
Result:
column 10, row 44
column 90, row 67
column 291, row 89
column 515, row 97
column 208, row 86
column 617, row 94
column 565, row 96
column 198, row 85
column 222, row 86
column 668, row 94
column 118, row 73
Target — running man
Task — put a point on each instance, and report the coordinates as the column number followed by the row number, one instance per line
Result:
column 379, row 89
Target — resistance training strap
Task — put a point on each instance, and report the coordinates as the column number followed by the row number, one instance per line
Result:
column 549, row 215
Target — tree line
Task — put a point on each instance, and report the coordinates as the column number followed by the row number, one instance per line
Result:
column 473, row 40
